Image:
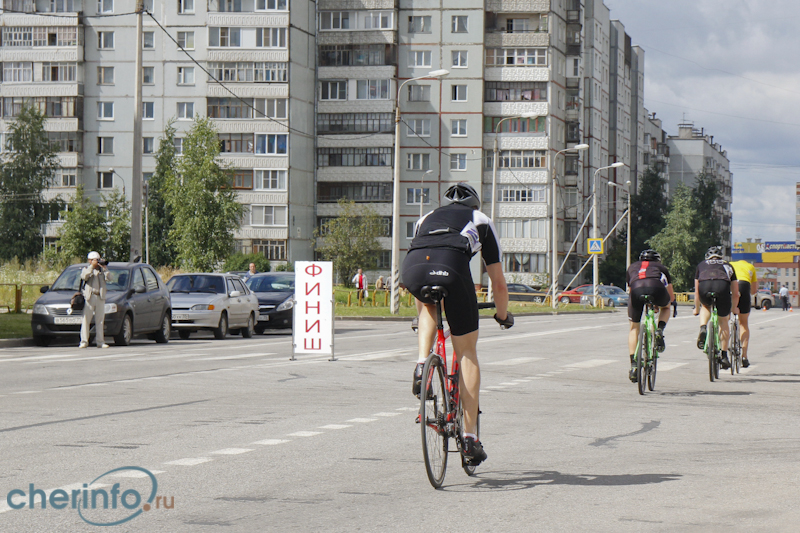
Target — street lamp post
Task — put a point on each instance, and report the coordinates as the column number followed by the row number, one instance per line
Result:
column 422, row 192
column 554, row 244
column 395, row 305
column 628, row 240
column 596, row 231
column 121, row 179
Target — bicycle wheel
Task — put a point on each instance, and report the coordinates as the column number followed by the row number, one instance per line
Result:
column 433, row 413
column 470, row 470
column 641, row 357
column 710, row 336
column 652, row 363
column 736, row 349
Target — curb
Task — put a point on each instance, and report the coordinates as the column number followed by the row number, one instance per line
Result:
column 16, row 343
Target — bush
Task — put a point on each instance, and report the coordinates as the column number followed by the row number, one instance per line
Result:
column 241, row 262
column 288, row 267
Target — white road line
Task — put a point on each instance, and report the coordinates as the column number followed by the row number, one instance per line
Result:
column 134, row 473
column 336, row 426
column 26, row 392
column 369, row 356
column 509, row 383
column 270, row 442
column 305, row 433
column 669, row 365
column 522, row 380
column 189, row 461
column 591, row 363
column 232, row 451
column 242, row 356
column 408, row 409
column 773, row 319
column 361, row 420
column 515, row 361
column 495, row 387
column 384, row 414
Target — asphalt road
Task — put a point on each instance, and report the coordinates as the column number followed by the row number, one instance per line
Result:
column 243, row 440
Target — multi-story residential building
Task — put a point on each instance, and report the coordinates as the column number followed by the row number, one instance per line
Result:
column 654, row 150
column 692, row 154
column 797, row 222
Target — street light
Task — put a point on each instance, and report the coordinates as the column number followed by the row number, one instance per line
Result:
column 422, row 192
column 596, row 230
column 554, row 244
column 395, row 305
column 628, row 244
column 121, row 179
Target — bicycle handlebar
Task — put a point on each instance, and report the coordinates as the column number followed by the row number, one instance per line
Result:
column 504, row 324
column 486, row 305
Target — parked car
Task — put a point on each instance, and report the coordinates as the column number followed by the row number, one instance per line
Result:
column 612, row 296
column 275, row 292
column 764, row 298
column 217, row 302
column 574, row 295
column 137, row 303
column 525, row 293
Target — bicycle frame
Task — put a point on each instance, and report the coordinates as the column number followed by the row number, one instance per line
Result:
column 451, row 376
column 646, row 350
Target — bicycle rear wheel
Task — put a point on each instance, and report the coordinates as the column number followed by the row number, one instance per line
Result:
column 641, row 357
column 652, row 364
column 736, row 348
column 433, row 414
column 710, row 337
column 470, row 470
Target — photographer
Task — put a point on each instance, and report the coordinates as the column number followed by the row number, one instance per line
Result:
column 94, row 291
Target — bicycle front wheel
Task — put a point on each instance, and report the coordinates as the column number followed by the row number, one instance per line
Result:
column 736, row 349
column 433, row 415
column 470, row 470
column 641, row 357
column 652, row 365
column 710, row 337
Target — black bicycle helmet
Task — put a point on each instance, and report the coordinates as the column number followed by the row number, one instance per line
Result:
column 714, row 252
column 462, row 193
column 649, row 255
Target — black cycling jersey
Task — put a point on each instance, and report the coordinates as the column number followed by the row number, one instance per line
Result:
column 641, row 273
column 711, row 269
column 458, row 227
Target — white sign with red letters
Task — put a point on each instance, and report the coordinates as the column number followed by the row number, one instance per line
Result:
column 313, row 307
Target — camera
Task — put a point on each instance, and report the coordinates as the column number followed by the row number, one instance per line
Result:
column 103, row 262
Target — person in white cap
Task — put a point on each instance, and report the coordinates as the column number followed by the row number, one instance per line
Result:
column 94, row 277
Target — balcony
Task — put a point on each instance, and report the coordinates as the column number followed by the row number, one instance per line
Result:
column 573, row 16
column 504, row 39
column 518, row 6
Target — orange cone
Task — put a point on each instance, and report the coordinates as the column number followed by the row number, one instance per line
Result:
column 764, row 308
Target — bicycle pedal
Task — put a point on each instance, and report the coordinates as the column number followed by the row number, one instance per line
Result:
column 418, row 420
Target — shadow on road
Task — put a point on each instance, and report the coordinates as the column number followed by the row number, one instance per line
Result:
column 533, row 479
column 689, row 393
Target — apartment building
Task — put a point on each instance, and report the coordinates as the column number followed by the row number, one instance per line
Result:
column 654, row 150
column 797, row 222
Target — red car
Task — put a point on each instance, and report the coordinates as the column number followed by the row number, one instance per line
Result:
column 574, row 295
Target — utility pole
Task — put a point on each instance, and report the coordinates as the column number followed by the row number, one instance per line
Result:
column 136, row 166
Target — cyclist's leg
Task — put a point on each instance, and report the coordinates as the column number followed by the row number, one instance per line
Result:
column 744, row 334
column 469, row 379
column 633, row 337
column 427, row 329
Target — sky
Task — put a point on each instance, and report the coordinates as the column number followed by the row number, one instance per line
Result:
column 732, row 68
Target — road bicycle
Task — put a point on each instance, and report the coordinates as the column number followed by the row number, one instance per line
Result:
column 736, row 346
column 712, row 344
column 646, row 353
column 440, row 412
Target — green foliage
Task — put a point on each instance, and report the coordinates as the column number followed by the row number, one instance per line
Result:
column 84, row 229
column 162, row 250
column 25, row 173
column 704, row 196
column 241, row 262
column 118, row 244
column 612, row 268
column 287, row 267
column 201, row 201
column 350, row 240
column 677, row 242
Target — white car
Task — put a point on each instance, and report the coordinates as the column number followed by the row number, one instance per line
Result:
column 763, row 298
column 221, row 303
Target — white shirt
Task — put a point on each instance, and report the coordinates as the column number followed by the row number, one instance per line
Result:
column 784, row 291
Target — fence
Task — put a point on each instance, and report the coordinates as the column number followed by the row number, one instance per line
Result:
column 18, row 297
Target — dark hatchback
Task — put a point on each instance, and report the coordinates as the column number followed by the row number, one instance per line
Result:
column 275, row 292
column 137, row 303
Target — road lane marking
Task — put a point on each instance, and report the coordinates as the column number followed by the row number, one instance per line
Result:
column 232, row 451
column 515, row 361
column 270, row 442
column 337, row 426
column 509, row 383
column 134, row 473
column 670, row 365
column 384, row 414
column 591, row 363
column 361, row 420
column 189, row 461
column 26, row 392
column 242, row 356
column 407, row 409
column 304, row 433
column 369, row 356
column 495, row 387
column 773, row 319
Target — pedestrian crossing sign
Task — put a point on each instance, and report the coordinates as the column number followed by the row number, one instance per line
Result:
column 595, row 246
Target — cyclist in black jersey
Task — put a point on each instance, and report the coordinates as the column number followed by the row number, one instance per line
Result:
column 718, row 276
column 648, row 276
column 444, row 242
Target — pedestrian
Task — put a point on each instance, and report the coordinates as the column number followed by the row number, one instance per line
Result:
column 94, row 278
column 784, row 293
column 360, row 281
column 251, row 271
column 379, row 285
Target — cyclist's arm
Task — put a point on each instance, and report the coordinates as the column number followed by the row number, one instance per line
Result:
column 671, row 292
column 754, row 285
column 499, row 288
column 735, row 296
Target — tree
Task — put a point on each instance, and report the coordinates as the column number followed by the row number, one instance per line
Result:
column 202, row 202
column 118, row 241
column 677, row 241
column 241, row 262
column 162, row 250
column 350, row 240
column 26, row 172
column 704, row 196
column 84, row 229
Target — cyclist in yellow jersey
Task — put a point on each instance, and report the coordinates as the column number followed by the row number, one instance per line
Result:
column 748, row 285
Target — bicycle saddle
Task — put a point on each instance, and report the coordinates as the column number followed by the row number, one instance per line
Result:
column 434, row 292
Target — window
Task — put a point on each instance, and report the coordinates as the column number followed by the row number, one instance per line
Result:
column 105, row 40
column 267, row 215
column 185, row 110
column 272, row 144
column 50, row 106
column 29, row 36
column 518, row 25
column 105, row 75
column 379, row 20
column 459, row 93
column 419, row 58
column 418, row 127
column 62, row 6
column 354, row 157
column 186, row 40
column 419, row 161
column 526, row 91
column 235, row 143
column 270, row 180
column 416, row 196
column 419, row 24
column 66, row 177
column 333, row 90
column 419, row 93
column 518, row 159
column 147, row 145
column 460, row 58
column 357, row 192
column 458, row 128
column 105, row 145
column 229, row 6
column 105, row 110
column 271, row 37
column 355, row 55
column 272, row 5
column 185, row 6
column 458, row 162
column 224, row 37
column 410, row 226
column 148, row 75
column 334, row 20
column 576, row 67
column 105, row 180
column 517, row 57
column 525, row 263
column 59, row 71
column 17, row 71
column 177, row 143
column 148, row 5
column 148, row 40
column 242, row 179
column 66, row 141
column 185, row 75
column 148, row 111
column 105, row 6
column 459, row 24
column 523, row 229
column 272, row 250
column 513, row 125
column 271, row 107
column 534, row 193
column 372, row 89
column 355, row 123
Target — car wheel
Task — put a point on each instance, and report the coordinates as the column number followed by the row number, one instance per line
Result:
column 162, row 335
column 537, row 299
column 221, row 331
column 41, row 340
column 123, row 338
column 184, row 334
column 250, row 329
column 766, row 304
column 564, row 299
column 610, row 303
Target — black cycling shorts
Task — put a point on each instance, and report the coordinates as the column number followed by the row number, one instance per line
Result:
column 648, row 287
column 722, row 289
column 745, row 298
column 450, row 269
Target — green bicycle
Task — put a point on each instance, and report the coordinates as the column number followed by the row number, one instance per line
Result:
column 712, row 344
column 646, row 353
column 736, row 345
